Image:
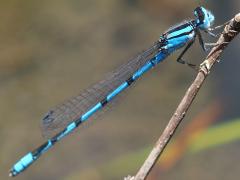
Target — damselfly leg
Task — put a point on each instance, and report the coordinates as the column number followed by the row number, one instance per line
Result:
column 180, row 60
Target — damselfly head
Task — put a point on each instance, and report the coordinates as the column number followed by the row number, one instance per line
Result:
column 205, row 18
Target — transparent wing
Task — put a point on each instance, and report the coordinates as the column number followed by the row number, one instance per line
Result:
column 71, row 110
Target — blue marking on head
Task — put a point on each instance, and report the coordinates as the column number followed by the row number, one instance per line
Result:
column 205, row 18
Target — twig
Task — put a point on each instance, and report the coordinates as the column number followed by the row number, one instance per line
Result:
column 230, row 31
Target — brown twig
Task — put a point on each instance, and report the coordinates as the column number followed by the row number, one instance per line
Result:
column 230, row 31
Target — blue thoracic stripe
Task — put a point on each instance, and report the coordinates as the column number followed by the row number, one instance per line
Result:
column 174, row 34
column 181, row 26
column 170, row 41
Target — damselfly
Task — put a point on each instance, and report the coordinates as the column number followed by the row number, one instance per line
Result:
column 66, row 117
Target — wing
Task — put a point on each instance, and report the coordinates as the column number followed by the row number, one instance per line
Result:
column 71, row 110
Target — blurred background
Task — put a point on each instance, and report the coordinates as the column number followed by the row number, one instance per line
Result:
column 52, row 50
